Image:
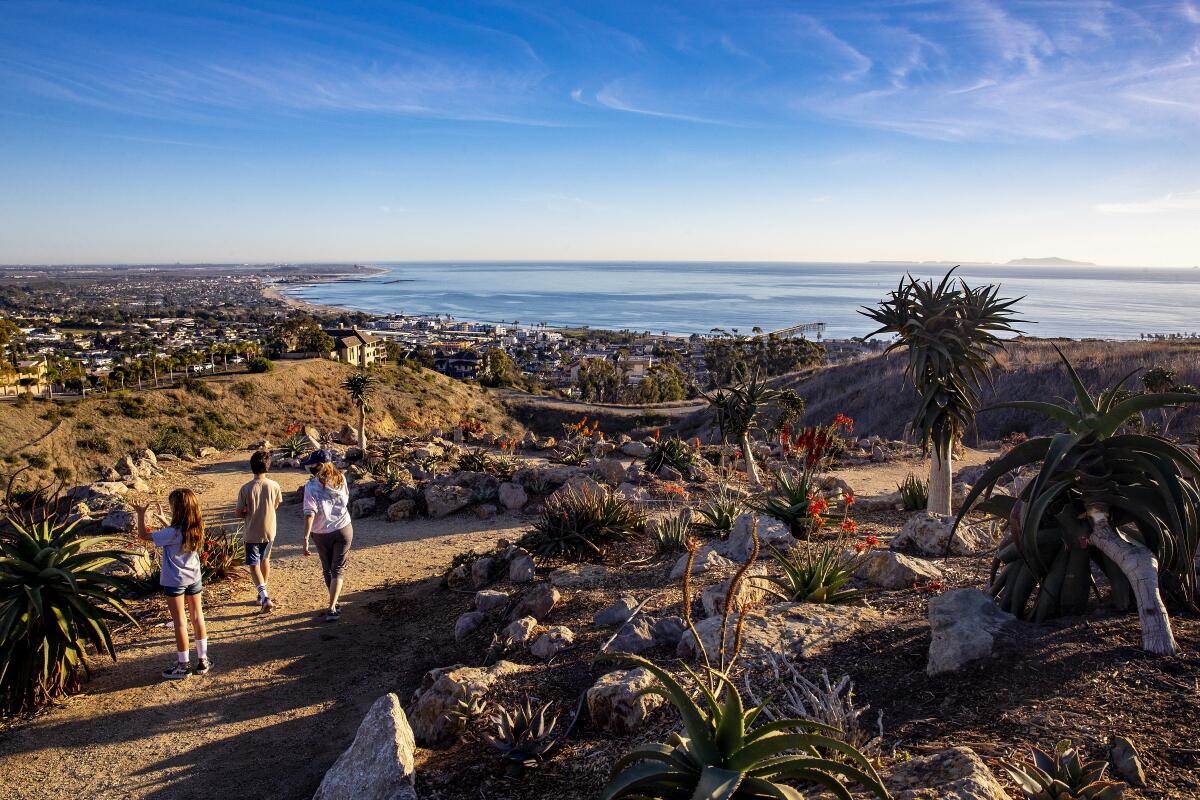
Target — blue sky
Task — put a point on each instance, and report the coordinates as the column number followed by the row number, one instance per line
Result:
column 979, row 130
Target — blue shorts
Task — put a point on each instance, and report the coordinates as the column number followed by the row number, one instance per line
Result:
column 179, row 591
column 257, row 552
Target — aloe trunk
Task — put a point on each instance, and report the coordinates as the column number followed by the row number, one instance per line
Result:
column 1141, row 568
column 362, row 428
column 940, row 480
column 751, row 466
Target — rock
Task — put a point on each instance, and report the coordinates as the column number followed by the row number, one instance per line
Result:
column 519, row 631
column 127, row 467
column 668, row 630
column 139, row 485
column 166, row 458
column 548, row 443
column 148, row 455
column 579, row 484
column 750, row 590
column 486, row 510
column 490, row 600
column 965, row 625
column 314, row 437
column 355, row 454
column 668, row 473
column 442, row 501
column 110, row 489
column 512, row 496
column 440, row 693
column 362, row 507
column 1125, row 763
column 879, row 502
column 537, row 602
column 877, row 454
column 954, row 774
column 579, row 576
column 552, row 641
column 635, row 449
column 631, row 492
column 481, row 571
column 634, row 637
column 928, row 535
column 609, row 470
column 603, row 449
column 483, row 487
column 560, row 474
column 208, row 452
column 805, row 629
column 404, row 508
column 467, row 624
column 520, row 569
column 739, row 543
column 707, row 559
column 379, row 764
column 119, row 520
column 618, row 703
column 616, row 614
column 891, row 570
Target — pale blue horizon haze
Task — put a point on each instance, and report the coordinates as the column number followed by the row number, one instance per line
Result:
column 757, row 131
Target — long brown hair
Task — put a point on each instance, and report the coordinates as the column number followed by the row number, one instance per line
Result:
column 330, row 476
column 185, row 518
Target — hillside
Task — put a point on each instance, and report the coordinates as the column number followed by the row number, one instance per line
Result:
column 874, row 393
column 229, row 411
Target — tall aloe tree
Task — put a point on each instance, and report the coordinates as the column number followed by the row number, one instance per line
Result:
column 951, row 334
column 1125, row 501
column 361, row 387
column 736, row 409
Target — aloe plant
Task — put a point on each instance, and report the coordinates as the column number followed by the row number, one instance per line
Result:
column 525, row 735
column 736, row 409
column 672, row 452
column 1126, row 501
column 1063, row 776
column 819, row 578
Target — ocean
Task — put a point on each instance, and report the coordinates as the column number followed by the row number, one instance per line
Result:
column 691, row 297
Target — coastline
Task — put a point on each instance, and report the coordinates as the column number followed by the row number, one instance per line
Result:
column 274, row 291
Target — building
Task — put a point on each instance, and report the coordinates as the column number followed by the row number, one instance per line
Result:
column 357, row 347
column 463, row 365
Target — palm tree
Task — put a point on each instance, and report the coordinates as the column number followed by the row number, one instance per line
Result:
column 736, row 409
column 1127, row 501
column 950, row 334
column 361, row 387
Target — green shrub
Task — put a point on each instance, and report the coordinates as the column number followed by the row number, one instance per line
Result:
column 259, row 364
column 173, row 439
column 199, row 388
column 56, row 598
column 97, row 442
column 295, row 446
column 582, row 524
column 244, row 389
column 671, row 452
column 914, row 493
column 36, row 460
column 133, row 406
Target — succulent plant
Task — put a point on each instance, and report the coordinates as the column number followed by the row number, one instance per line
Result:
column 582, row 523
column 524, row 736
column 816, row 578
column 796, row 502
column 671, row 452
column 1063, row 776
column 295, row 446
column 671, row 533
column 721, row 511
column 914, row 493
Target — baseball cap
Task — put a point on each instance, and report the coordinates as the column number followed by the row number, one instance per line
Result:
column 321, row 456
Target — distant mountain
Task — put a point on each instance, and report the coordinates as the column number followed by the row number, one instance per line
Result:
column 1052, row 261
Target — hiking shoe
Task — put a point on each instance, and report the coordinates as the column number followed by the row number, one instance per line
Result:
column 202, row 666
column 177, row 671
column 333, row 614
column 267, row 604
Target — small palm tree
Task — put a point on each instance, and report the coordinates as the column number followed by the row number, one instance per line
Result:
column 1128, row 501
column 950, row 331
column 361, row 386
column 736, row 410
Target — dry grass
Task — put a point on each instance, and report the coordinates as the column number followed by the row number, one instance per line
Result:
column 307, row 392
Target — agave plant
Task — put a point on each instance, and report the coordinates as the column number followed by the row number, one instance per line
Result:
column 795, row 501
column 671, row 534
column 295, row 446
column 670, row 452
column 56, row 598
column 582, row 523
column 477, row 460
column 724, row 753
column 720, row 512
column 525, row 735
column 1128, row 502
column 1063, row 776
column 914, row 493
column 819, row 578
column 576, row 453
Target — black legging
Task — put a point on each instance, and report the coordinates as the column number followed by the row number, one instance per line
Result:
column 334, row 549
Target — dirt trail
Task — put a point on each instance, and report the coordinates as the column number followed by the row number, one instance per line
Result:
column 287, row 690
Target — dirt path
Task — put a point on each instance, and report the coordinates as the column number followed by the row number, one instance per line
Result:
column 287, row 690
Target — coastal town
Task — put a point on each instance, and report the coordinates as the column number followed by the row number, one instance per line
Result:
column 71, row 331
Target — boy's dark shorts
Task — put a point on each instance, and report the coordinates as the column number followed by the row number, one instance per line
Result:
column 257, row 552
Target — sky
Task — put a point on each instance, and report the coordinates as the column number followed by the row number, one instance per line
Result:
column 978, row 130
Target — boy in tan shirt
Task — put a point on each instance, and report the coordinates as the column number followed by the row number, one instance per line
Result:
column 257, row 502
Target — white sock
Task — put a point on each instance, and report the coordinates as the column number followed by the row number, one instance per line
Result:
column 202, row 648
column 262, row 590
column 182, row 656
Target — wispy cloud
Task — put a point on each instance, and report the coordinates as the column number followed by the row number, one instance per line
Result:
column 1171, row 202
column 610, row 97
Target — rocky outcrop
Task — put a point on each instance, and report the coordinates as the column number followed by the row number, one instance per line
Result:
column 555, row 639
column 617, row 704
column 512, row 496
column 891, row 570
column 578, row 576
column 804, row 629
column 706, row 559
column 379, row 764
column 929, row 535
column 537, row 602
column 440, row 693
column 490, row 600
column 616, row 614
column 442, row 501
column 954, row 774
column 965, row 625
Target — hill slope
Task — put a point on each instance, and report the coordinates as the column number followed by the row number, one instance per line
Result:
column 236, row 410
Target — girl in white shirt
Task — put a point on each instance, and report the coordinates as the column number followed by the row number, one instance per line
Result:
column 327, row 521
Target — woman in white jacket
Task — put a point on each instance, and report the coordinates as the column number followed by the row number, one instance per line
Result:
column 327, row 520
